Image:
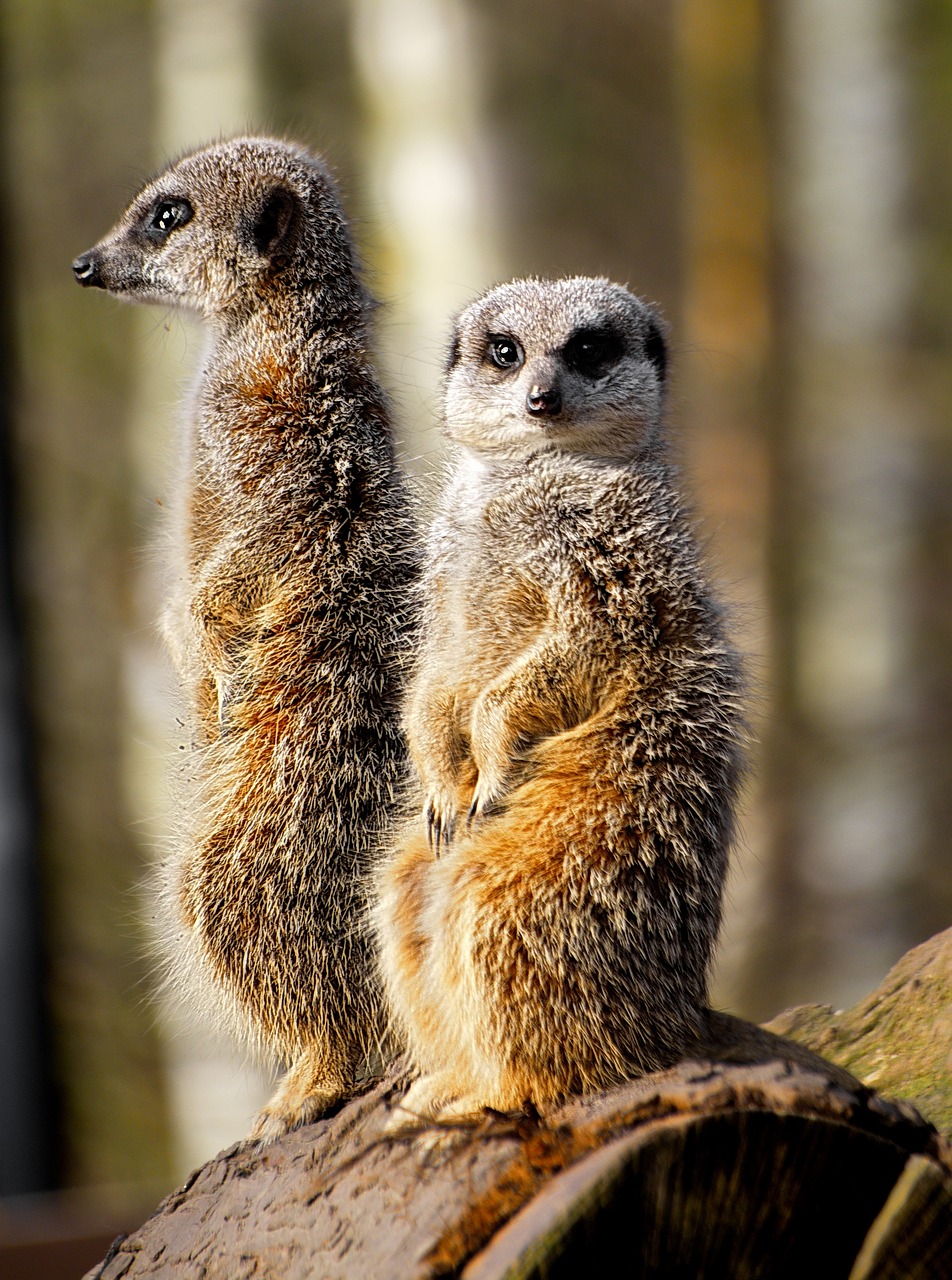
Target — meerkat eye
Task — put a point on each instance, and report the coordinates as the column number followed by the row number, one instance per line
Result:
column 169, row 214
column 592, row 352
column 503, row 351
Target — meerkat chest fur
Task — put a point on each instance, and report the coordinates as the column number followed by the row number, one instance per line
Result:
column 492, row 606
column 590, row 549
column 272, row 419
column 290, row 471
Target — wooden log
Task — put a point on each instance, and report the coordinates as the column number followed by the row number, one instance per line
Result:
column 898, row 1038
column 753, row 1157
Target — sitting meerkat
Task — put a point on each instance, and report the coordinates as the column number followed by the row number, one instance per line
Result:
column 292, row 610
column 546, row 924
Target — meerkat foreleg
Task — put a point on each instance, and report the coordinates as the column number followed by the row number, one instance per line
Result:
column 536, row 696
column 315, row 1082
column 439, row 753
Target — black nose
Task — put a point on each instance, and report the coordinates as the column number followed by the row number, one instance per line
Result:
column 86, row 269
column 544, row 400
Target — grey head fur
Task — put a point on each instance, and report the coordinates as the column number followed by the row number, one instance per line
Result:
column 576, row 364
column 230, row 228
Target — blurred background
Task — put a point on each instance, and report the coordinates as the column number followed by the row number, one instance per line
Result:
column 776, row 176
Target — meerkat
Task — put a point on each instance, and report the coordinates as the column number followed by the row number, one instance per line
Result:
column 546, row 922
column 292, row 607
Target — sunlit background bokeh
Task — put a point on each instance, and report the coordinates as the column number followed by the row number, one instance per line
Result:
column 775, row 176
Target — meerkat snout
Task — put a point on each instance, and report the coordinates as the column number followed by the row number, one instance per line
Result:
column 544, row 400
column 86, row 270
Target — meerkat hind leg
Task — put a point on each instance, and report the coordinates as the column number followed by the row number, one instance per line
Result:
column 307, row 1091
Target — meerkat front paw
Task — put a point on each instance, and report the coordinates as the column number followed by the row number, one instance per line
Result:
column 491, row 755
column 491, row 784
column 440, row 814
column 489, row 788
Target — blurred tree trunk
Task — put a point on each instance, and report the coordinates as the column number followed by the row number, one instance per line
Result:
column 77, row 97
column 581, row 110
column 428, row 168
column 29, row 1152
column 723, row 348
column 845, row 805
column 927, row 895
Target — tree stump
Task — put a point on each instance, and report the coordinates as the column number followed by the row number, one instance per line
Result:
column 752, row 1158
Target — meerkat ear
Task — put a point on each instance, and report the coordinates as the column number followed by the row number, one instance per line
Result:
column 656, row 347
column 452, row 353
column 272, row 223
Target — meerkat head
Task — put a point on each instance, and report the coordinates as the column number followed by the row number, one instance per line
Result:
column 575, row 365
column 222, row 227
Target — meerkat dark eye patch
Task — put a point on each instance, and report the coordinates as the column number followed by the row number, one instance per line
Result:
column 502, row 351
column 592, row 352
column 166, row 216
column 273, row 220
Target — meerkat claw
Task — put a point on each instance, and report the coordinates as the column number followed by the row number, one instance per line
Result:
column 484, row 798
column 440, row 824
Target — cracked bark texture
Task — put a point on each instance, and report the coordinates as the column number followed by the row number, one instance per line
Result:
column 753, row 1157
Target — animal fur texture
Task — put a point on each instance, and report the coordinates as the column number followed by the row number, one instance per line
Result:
column 291, row 614
column 547, row 919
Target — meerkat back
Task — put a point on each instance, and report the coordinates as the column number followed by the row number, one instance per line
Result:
column 546, row 924
column 291, row 616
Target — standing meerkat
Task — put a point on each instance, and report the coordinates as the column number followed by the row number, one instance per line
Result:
column 291, row 607
column 546, row 926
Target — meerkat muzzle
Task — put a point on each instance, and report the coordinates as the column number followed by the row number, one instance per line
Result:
column 544, row 400
column 86, row 270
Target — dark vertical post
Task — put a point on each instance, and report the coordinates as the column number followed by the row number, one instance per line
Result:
column 28, row 1159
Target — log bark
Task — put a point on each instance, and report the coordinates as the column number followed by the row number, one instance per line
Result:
column 899, row 1038
column 752, row 1157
